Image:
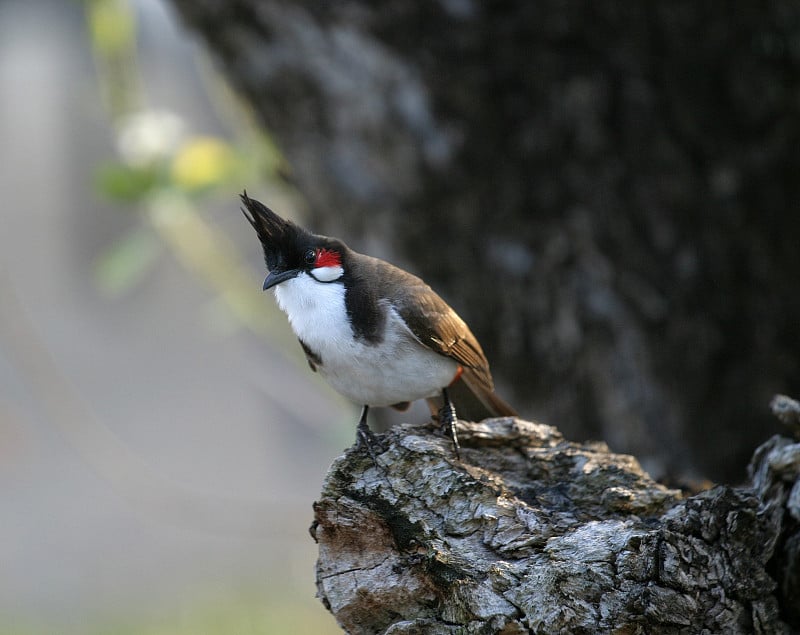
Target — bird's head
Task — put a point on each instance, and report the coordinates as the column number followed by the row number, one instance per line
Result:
column 290, row 250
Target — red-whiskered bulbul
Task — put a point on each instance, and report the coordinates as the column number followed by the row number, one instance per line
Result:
column 379, row 335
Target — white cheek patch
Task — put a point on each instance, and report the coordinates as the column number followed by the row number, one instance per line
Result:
column 327, row 274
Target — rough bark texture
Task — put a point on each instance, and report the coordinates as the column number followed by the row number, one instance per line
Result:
column 530, row 533
column 606, row 192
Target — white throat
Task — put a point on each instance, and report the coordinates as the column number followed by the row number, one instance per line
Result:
column 314, row 308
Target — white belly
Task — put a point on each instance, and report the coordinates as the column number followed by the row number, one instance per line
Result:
column 397, row 369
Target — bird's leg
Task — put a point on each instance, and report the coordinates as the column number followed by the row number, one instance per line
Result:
column 447, row 419
column 364, row 436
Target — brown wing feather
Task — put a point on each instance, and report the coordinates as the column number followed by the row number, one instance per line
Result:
column 440, row 328
column 432, row 321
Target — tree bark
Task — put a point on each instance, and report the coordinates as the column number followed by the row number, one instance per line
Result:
column 530, row 533
column 608, row 196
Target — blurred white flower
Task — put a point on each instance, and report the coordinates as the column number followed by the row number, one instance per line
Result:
column 149, row 135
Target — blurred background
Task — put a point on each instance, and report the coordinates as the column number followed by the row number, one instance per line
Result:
column 607, row 194
column 609, row 197
column 161, row 437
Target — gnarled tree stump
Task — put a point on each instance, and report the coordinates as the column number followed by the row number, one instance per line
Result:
column 530, row 533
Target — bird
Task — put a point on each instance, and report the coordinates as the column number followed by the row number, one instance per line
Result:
column 379, row 335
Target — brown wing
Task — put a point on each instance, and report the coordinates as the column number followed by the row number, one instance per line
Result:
column 440, row 328
column 437, row 326
column 433, row 322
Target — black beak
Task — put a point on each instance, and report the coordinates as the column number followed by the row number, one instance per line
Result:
column 276, row 277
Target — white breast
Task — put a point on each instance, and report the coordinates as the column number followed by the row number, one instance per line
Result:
column 397, row 369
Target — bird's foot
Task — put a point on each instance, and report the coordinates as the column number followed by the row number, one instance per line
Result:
column 447, row 423
column 365, row 440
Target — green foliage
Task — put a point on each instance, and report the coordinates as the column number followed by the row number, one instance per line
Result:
column 127, row 183
column 164, row 172
column 111, row 25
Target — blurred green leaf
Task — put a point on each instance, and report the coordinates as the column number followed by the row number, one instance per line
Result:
column 112, row 25
column 125, row 264
column 125, row 182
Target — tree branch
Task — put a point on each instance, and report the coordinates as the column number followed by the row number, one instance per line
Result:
column 530, row 533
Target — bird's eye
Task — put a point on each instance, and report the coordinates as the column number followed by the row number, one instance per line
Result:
column 310, row 256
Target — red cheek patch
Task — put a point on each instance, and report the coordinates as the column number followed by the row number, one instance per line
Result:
column 328, row 258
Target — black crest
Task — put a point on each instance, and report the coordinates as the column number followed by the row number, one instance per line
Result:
column 279, row 237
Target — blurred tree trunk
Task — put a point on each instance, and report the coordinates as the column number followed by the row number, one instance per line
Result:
column 607, row 193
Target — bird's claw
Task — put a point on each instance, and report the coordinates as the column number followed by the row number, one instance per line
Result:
column 447, row 422
column 365, row 440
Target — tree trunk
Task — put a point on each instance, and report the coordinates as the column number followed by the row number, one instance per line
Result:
column 530, row 533
column 608, row 195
